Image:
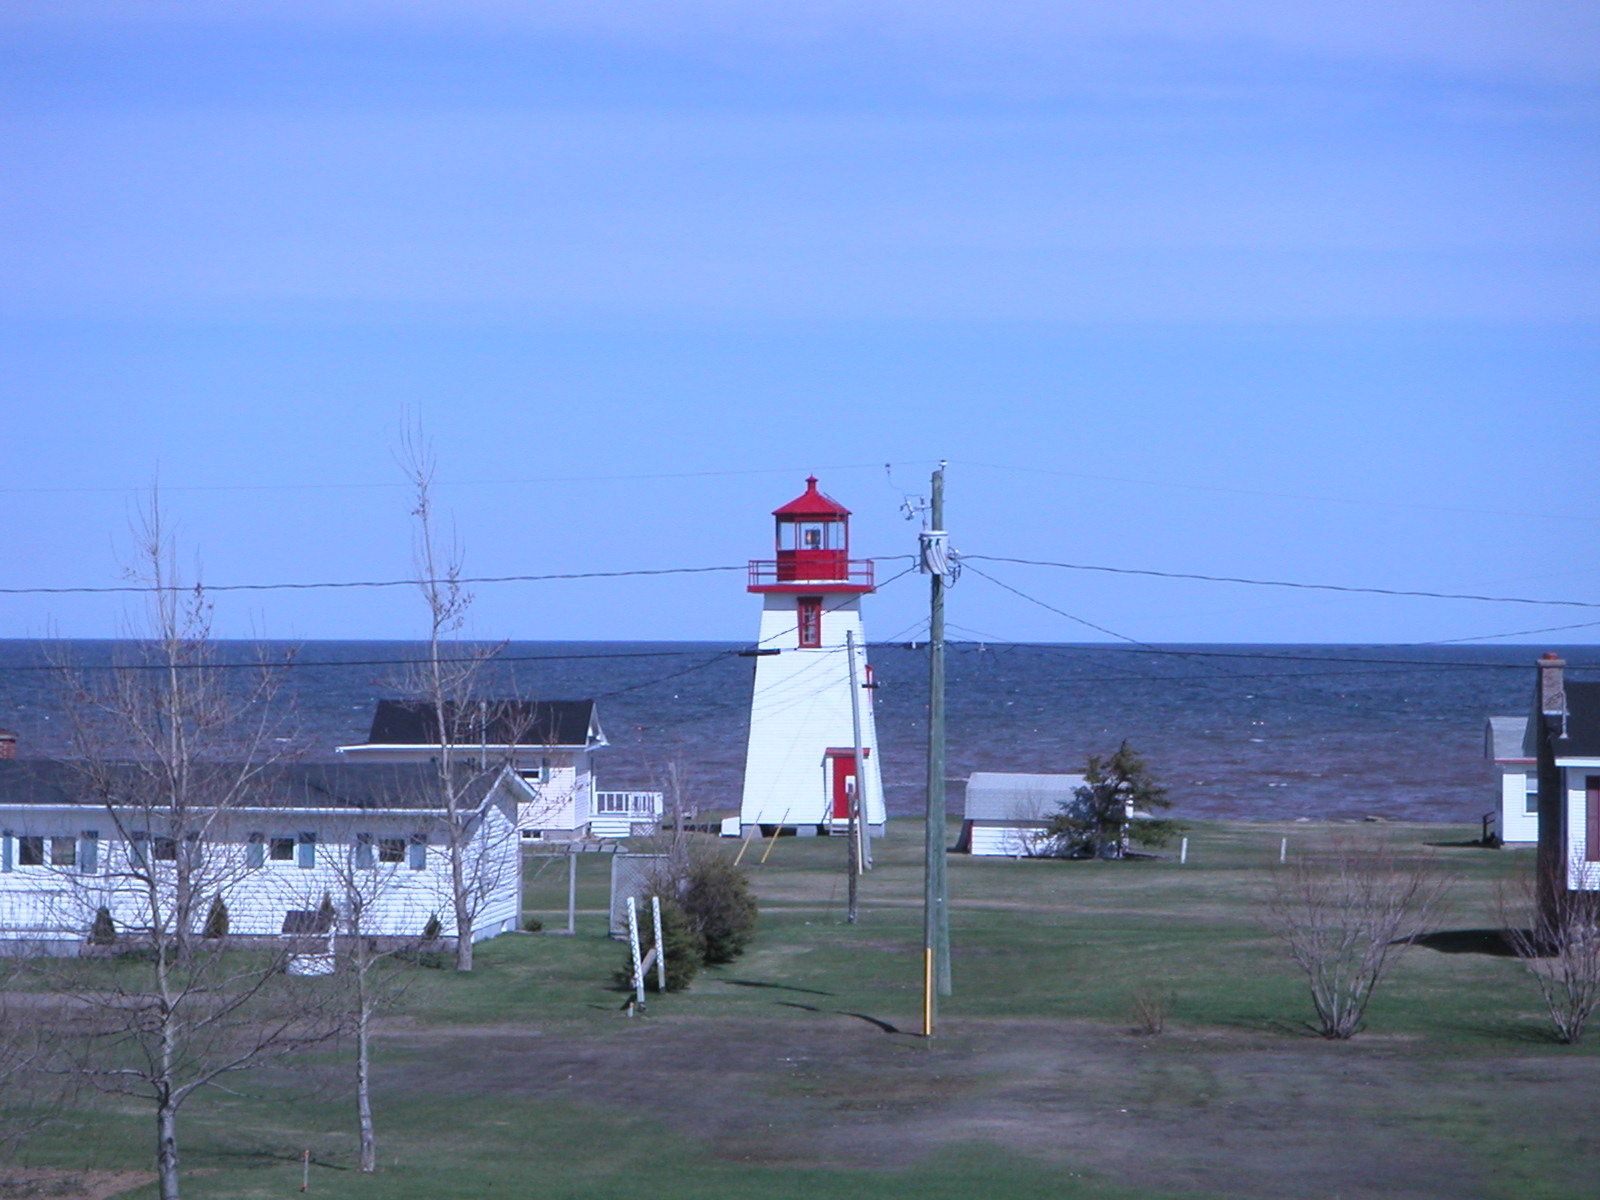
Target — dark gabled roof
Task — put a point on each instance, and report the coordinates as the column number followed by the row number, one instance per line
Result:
column 1583, row 722
column 361, row 785
column 41, row 781
column 484, row 722
column 342, row 785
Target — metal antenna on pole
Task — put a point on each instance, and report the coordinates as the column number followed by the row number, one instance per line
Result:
column 935, row 544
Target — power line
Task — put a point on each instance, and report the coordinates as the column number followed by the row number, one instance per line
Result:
column 1236, row 491
column 141, row 588
column 402, row 484
column 1488, row 637
column 1315, row 587
column 145, row 588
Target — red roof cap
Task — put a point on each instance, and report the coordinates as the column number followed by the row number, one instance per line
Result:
column 812, row 504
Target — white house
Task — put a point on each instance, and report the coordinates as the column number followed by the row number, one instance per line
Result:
column 549, row 744
column 1006, row 814
column 800, row 762
column 302, row 832
column 1508, row 743
column 1566, row 719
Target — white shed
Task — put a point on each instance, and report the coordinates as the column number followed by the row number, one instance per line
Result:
column 1007, row 813
column 1508, row 743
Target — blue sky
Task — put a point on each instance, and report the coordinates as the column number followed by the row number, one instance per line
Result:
column 1288, row 291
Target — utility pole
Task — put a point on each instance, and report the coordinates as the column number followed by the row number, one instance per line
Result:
column 936, row 917
column 853, row 801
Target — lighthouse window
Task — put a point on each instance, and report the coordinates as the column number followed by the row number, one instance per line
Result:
column 810, row 621
column 810, row 535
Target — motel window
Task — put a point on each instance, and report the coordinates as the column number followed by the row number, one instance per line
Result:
column 281, row 849
column 30, row 852
column 391, row 850
column 810, row 621
column 63, row 852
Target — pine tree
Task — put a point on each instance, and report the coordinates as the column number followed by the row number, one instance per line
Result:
column 1104, row 816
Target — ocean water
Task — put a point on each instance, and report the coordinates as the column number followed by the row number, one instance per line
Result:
column 1319, row 731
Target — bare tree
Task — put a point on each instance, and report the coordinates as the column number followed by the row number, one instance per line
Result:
column 169, row 751
column 1343, row 917
column 1561, row 949
column 367, row 878
column 447, row 683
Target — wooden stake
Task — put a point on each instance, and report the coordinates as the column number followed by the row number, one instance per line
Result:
column 777, row 829
column 633, row 944
column 660, row 948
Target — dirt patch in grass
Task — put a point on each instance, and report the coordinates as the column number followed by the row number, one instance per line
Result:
column 1236, row 1115
column 45, row 1183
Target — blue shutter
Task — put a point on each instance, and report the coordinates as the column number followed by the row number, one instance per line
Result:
column 138, row 848
column 306, row 851
column 417, row 852
column 7, row 851
column 364, row 850
column 89, row 852
column 255, row 850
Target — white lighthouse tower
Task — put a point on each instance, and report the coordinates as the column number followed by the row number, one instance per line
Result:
column 800, row 768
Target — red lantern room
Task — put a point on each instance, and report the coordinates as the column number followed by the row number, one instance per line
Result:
column 813, row 549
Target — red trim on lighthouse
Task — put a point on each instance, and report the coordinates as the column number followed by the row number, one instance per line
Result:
column 812, row 503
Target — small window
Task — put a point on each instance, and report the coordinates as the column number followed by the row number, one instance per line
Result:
column 30, row 852
column 164, row 849
column 63, row 852
column 391, row 850
column 810, row 621
column 1531, row 804
column 281, row 849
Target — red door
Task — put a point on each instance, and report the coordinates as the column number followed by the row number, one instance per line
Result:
column 842, row 780
column 844, row 783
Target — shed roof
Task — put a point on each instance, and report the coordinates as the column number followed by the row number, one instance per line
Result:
column 491, row 722
column 1000, row 796
column 1506, row 740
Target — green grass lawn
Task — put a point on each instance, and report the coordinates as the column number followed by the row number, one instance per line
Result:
column 799, row 1070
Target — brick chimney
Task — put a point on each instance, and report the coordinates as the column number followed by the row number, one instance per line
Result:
column 1553, row 688
column 8, row 744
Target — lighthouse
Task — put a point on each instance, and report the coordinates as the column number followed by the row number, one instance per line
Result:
column 800, row 767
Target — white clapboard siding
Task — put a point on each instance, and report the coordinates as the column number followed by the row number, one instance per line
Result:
column 800, row 708
column 1011, row 840
column 397, row 899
